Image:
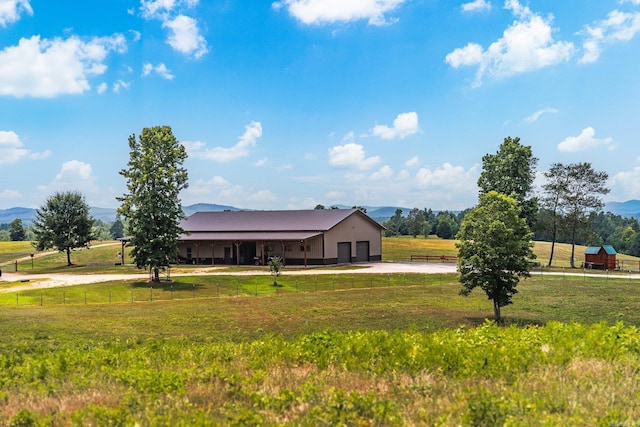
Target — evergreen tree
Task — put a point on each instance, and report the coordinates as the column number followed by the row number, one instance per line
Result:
column 16, row 230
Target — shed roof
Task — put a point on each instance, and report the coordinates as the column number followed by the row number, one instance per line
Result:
column 594, row 250
column 316, row 220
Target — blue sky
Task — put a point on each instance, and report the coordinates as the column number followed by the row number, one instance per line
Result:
column 286, row 104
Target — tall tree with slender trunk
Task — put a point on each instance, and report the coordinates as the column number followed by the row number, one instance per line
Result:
column 584, row 191
column 152, row 207
column 63, row 223
column 554, row 192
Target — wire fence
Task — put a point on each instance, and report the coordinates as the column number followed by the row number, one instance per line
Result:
column 240, row 286
column 252, row 286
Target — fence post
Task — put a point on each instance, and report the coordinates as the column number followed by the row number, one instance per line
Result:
column 194, row 290
column 171, row 292
column 40, row 298
column 151, row 293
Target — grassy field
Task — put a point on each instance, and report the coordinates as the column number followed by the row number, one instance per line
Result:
column 348, row 349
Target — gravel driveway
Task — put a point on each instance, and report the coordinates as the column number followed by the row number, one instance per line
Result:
column 34, row 281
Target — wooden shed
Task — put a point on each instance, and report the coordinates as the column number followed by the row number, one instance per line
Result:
column 600, row 257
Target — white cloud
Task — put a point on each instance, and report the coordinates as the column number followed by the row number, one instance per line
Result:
column 12, row 149
column 46, row 68
column 404, row 125
column 476, row 6
column 184, row 32
column 74, row 176
column 404, row 174
column 159, row 9
column 535, row 116
column 384, row 173
column 351, row 155
column 9, row 194
column 40, row 156
column 253, row 132
column 318, row 12
column 626, row 185
column 185, row 36
column 414, row 161
column 449, row 185
column 102, row 88
column 160, row 69
column 526, row 45
column 619, row 26
column 120, row 84
column 262, row 162
column 202, row 188
column 262, row 196
column 584, row 141
column 10, row 10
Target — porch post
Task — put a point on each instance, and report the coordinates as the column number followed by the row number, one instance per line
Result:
column 284, row 254
column 304, row 245
column 262, row 252
column 213, row 253
column 237, row 252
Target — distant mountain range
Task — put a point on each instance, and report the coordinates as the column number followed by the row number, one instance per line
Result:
column 630, row 208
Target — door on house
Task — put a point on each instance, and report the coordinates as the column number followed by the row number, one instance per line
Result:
column 344, row 253
column 362, row 251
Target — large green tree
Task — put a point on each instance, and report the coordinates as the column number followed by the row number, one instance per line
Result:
column 17, row 232
column 152, row 208
column 63, row 223
column 511, row 171
column 495, row 249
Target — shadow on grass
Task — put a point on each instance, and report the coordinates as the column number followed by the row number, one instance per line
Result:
column 167, row 286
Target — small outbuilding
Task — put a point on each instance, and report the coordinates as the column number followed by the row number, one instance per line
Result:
column 600, row 257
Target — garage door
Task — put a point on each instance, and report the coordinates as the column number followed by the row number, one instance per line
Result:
column 344, row 253
column 362, row 251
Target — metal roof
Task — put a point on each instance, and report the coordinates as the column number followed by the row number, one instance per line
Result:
column 317, row 220
column 249, row 236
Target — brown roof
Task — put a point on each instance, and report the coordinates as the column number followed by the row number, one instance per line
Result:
column 316, row 220
column 250, row 236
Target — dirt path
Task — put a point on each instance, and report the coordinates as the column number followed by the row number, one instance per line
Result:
column 42, row 281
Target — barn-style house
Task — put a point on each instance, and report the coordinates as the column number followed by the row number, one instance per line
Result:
column 299, row 237
column 601, row 257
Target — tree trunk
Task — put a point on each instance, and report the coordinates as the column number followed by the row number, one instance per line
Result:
column 573, row 247
column 156, row 275
column 553, row 241
column 68, row 257
column 496, row 311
